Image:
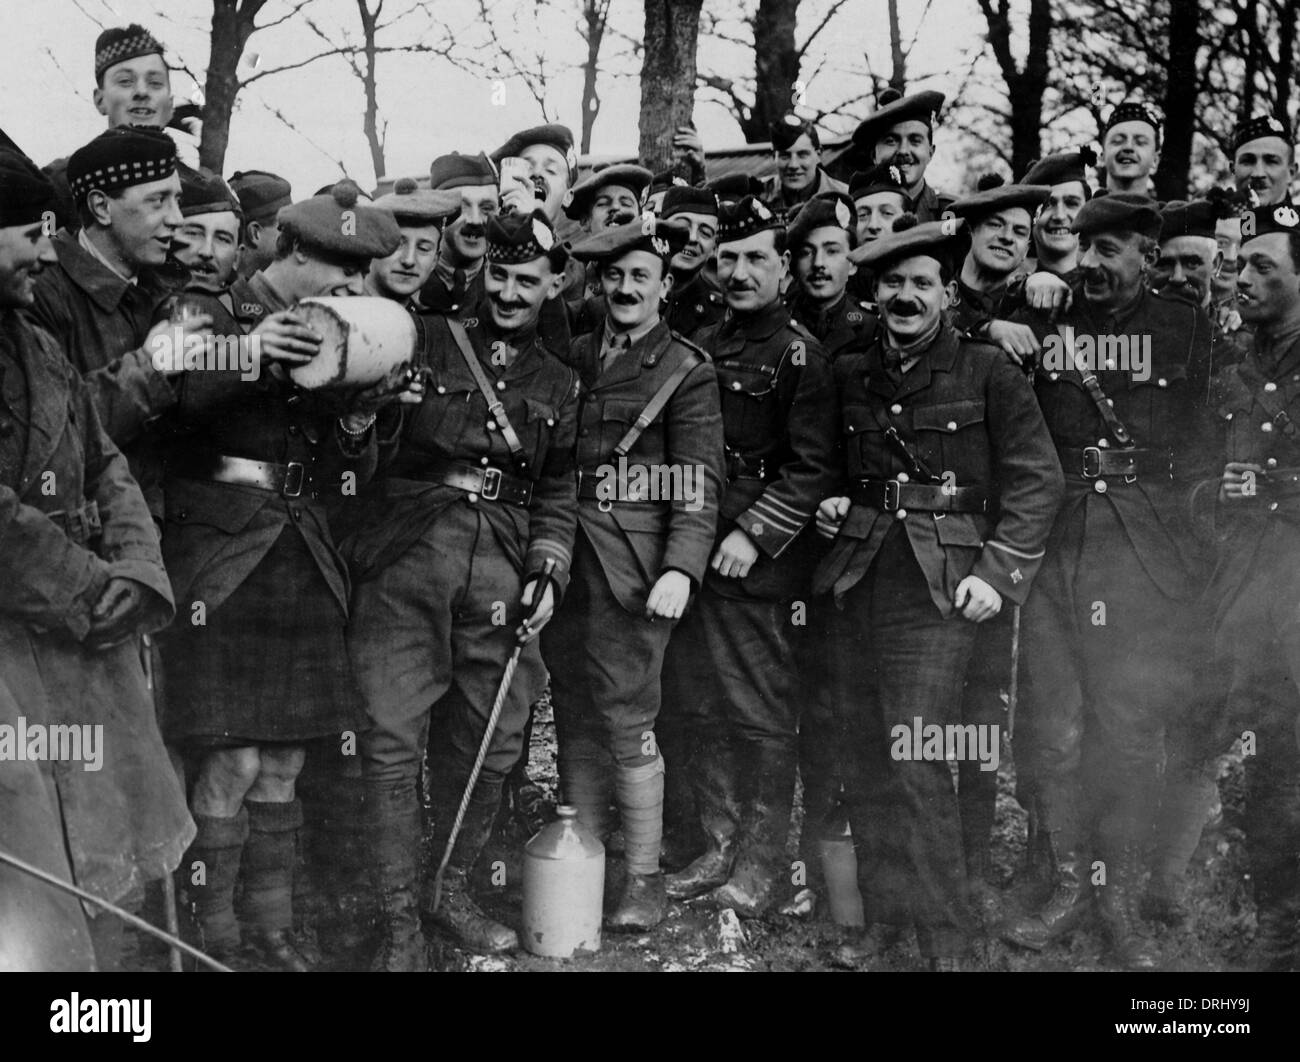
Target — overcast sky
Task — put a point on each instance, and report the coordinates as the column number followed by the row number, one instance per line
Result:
column 47, row 78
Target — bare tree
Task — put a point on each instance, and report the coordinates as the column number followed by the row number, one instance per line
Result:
column 1026, row 82
column 595, row 18
column 672, row 29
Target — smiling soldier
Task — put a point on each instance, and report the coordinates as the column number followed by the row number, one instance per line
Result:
column 799, row 173
column 901, row 132
column 1263, row 160
column 421, row 215
column 1130, row 148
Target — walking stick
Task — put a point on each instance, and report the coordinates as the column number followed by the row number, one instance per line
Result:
column 1013, row 691
column 525, row 635
column 111, row 908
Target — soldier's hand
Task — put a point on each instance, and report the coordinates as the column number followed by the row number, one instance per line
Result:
column 112, row 619
column 1047, row 293
column 538, row 614
column 1018, row 340
column 735, row 555
column 687, row 144
column 396, row 382
column 668, row 598
column 1240, row 481
column 976, row 600
column 519, row 198
column 1228, row 317
column 830, row 516
column 166, row 342
column 285, row 336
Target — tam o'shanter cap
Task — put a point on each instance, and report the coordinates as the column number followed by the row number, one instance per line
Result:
column 738, row 221
column 412, row 205
column 661, row 238
column 941, row 240
column 340, row 225
column 578, row 200
column 515, row 238
column 1261, row 125
column 1118, row 212
column 462, row 171
column 121, row 43
column 121, row 158
column 894, row 108
column 827, row 210
column 261, row 194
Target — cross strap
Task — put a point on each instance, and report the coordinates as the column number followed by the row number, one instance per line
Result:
column 916, row 464
column 1272, row 402
column 1093, row 386
column 656, row 404
column 494, row 404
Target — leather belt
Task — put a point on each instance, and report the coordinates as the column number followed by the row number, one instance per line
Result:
column 1280, row 483
column 1093, row 462
column 487, row 481
column 589, row 490
column 741, row 467
column 889, row 495
column 81, row 525
column 287, row 480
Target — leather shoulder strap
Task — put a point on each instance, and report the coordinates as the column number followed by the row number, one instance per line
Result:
column 656, row 404
column 494, row 404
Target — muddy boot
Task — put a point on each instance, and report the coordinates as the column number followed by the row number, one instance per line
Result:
column 456, row 913
column 208, row 875
column 392, row 824
column 761, row 866
column 1068, row 904
column 267, row 902
column 640, row 792
column 1117, row 902
column 714, row 785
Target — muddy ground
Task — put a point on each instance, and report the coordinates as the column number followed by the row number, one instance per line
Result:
column 693, row 938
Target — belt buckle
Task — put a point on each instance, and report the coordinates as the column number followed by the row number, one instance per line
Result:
column 1093, row 452
column 892, row 495
column 294, row 475
column 491, row 484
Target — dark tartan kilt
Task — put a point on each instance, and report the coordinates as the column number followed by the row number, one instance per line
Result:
column 270, row 665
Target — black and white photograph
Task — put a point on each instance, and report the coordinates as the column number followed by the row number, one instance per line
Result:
column 625, row 486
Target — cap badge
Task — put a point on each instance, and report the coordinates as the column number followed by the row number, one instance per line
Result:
column 659, row 244
column 760, row 211
column 1286, row 215
column 842, row 214
column 895, row 175
column 542, row 235
column 1274, row 123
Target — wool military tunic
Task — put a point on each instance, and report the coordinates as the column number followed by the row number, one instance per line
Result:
column 847, row 324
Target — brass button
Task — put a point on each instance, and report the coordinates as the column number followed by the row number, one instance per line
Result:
column 902, row 477
column 952, row 425
column 1270, row 387
column 1162, row 382
column 901, row 514
column 441, row 390
column 735, row 385
column 756, row 529
column 1103, row 443
column 1053, row 375
column 1100, row 486
column 1271, row 462
column 501, row 385
column 491, row 425
column 483, row 461
column 896, row 409
column 1266, row 426
column 1272, row 507
column 550, row 422
column 472, row 497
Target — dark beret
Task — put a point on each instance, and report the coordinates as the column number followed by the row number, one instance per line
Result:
column 735, row 186
column 412, row 205
column 827, row 210
column 513, row 238
column 1118, row 212
column 885, row 177
column 1196, row 218
column 121, row 43
column 661, row 238
column 121, row 158
column 261, row 194
column 1269, row 219
column 559, row 137
column 342, row 227
column 1062, row 168
column 204, row 192
column 578, row 199
column 1003, row 197
column 1261, row 125
column 894, row 108
column 1130, row 111
column 679, row 200
column 462, row 171
column 738, row 221
column 26, row 194
column 941, row 240
column 789, row 128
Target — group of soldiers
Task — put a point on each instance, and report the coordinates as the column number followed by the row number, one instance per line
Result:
column 779, row 471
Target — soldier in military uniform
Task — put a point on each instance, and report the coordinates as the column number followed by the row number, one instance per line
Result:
column 261, row 196
column 952, row 485
column 478, row 497
column 639, row 555
column 730, row 672
column 820, row 239
column 1254, row 592
column 796, row 148
column 610, row 197
column 1112, row 638
column 694, row 302
column 251, row 463
column 421, row 215
column 207, row 243
column 456, row 284
column 901, row 131
column 1263, row 160
column 1130, row 148
column 879, row 196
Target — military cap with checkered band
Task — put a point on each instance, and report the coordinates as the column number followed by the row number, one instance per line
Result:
column 120, row 43
column 739, row 221
column 515, row 238
column 1260, row 126
column 121, row 158
column 1130, row 111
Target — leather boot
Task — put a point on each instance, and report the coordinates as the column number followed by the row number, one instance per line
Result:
column 457, row 914
column 209, row 872
column 1117, row 905
column 270, row 856
column 640, row 793
column 1067, row 906
column 761, row 863
column 1185, row 806
column 392, row 817
column 714, row 782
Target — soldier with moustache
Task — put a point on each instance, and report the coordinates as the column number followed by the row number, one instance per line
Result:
column 1254, row 591
column 731, row 672
column 1112, row 637
column 253, row 465
column 207, row 243
column 610, row 197
column 83, row 578
column 1263, row 161
column 477, row 497
column 820, row 238
column 639, row 556
column 901, row 131
column 952, row 484
column 421, row 215
column 261, row 197
column 796, row 148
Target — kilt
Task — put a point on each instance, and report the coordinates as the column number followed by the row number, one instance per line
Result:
column 270, row 664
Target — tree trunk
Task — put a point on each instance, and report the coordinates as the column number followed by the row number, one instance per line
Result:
column 1288, row 13
column 897, row 57
column 232, row 25
column 595, row 14
column 1025, row 87
column 1180, row 99
column 672, row 30
column 776, row 66
column 370, row 122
